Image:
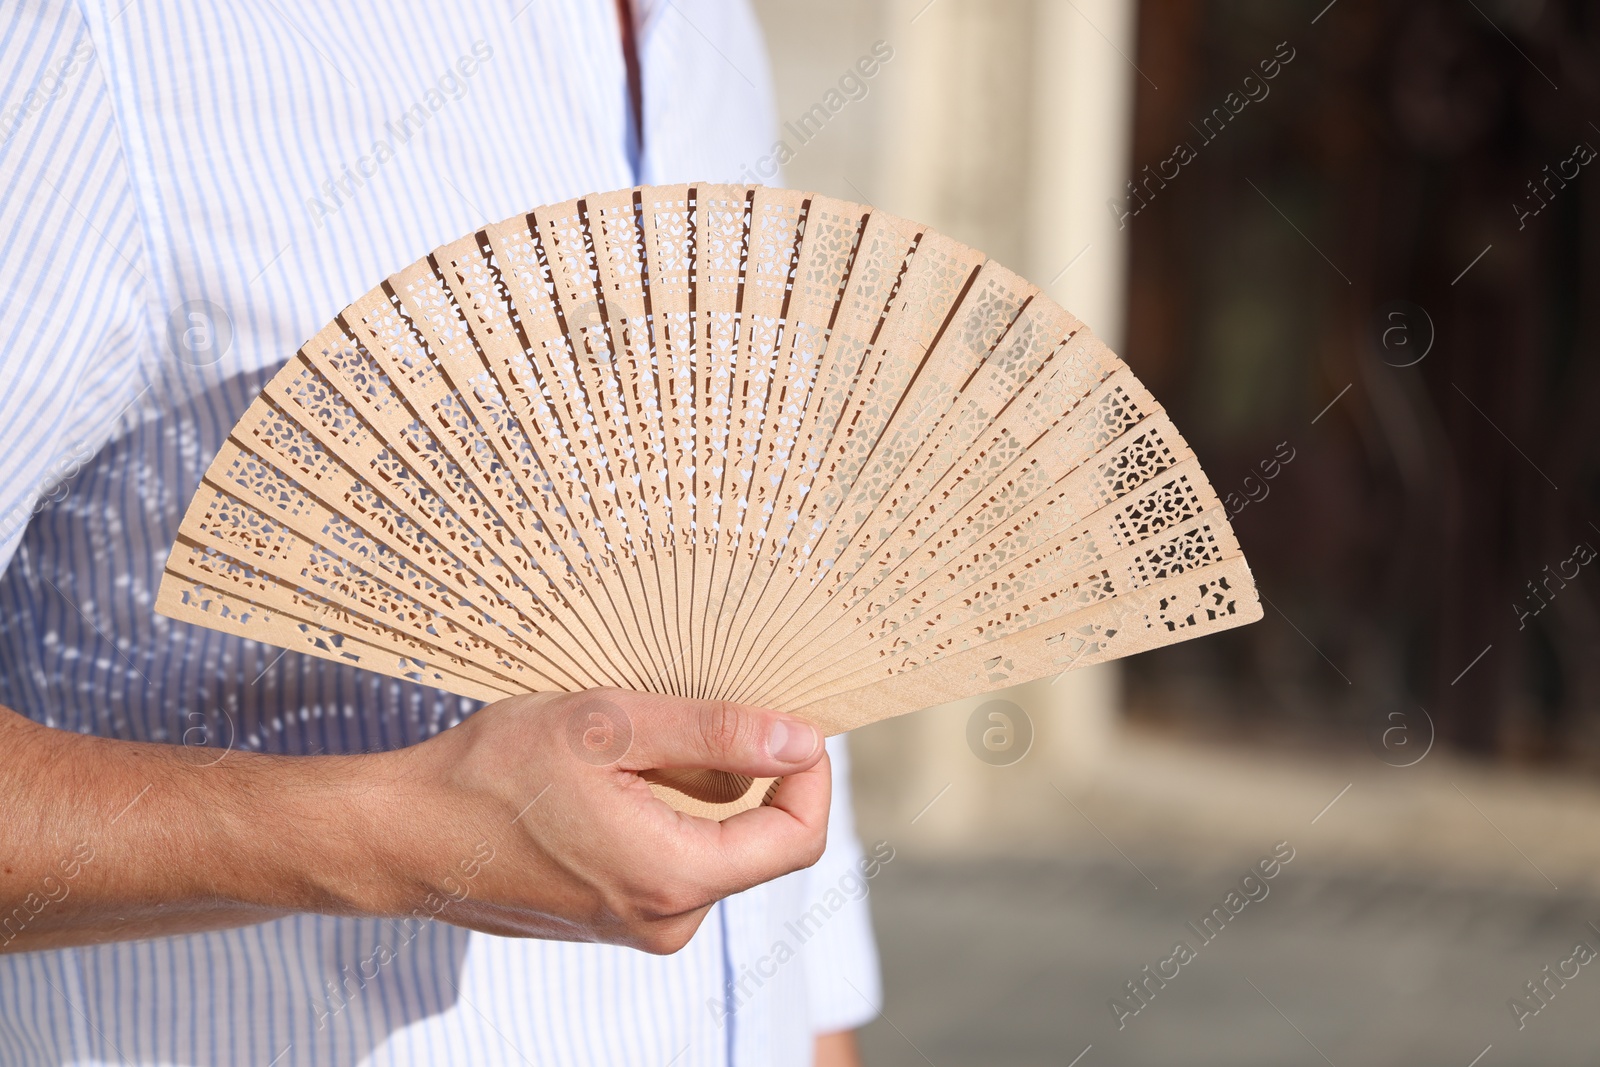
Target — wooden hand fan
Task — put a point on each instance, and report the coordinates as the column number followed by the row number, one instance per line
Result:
column 716, row 441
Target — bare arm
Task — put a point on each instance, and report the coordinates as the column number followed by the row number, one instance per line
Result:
column 110, row 840
column 837, row 1049
column 498, row 824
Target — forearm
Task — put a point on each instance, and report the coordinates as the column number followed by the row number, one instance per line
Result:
column 106, row 840
column 498, row 824
column 837, row 1049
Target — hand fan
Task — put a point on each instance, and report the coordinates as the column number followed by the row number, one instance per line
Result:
column 719, row 441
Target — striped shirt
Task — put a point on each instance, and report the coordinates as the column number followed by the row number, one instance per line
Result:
column 187, row 192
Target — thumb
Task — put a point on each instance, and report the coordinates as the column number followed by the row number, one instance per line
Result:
column 679, row 733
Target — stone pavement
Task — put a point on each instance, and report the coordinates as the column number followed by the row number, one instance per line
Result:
column 1415, row 908
column 1005, row 963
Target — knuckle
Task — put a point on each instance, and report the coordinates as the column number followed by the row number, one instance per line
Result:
column 721, row 725
column 665, row 901
column 648, row 906
column 665, row 938
column 611, row 694
column 681, row 899
column 661, row 942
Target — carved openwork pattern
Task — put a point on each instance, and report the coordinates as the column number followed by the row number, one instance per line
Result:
column 724, row 441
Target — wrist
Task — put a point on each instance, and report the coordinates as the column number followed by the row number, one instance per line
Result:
column 314, row 830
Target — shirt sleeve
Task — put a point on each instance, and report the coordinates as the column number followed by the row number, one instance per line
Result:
column 844, row 989
column 73, row 328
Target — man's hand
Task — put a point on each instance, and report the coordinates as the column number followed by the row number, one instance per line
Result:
column 549, row 786
column 529, row 819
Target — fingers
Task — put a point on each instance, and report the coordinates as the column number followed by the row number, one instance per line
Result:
column 663, row 937
column 672, row 732
column 769, row 841
column 596, row 856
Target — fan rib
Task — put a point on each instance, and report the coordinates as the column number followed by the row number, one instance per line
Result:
column 639, row 515
column 797, row 595
column 820, row 596
column 924, row 486
column 718, row 456
column 294, row 562
column 806, row 246
column 621, row 448
column 1078, row 483
column 772, row 209
column 518, row 555
column 804, row 502
column 313, row 529
column 821, row 358
column 625, row 638
column 278, row 394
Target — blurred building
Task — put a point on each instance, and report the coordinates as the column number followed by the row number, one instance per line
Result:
column 1403, row 214
column 1351, row 247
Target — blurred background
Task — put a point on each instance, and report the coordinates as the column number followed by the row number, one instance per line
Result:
column 1347, row 245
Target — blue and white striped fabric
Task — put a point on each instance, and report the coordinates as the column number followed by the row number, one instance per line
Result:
column 186, row 193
